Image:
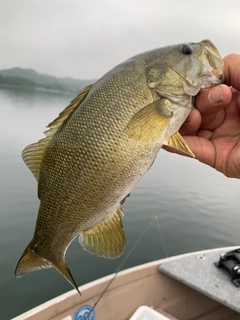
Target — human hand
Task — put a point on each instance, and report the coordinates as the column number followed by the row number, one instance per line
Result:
column 212, row 129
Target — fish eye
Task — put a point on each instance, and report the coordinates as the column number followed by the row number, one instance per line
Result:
column 186, row 50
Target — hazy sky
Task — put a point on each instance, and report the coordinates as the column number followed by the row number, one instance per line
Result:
column 86, row 38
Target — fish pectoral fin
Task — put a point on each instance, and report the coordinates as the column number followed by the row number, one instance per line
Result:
column 150, row 122
column 106, row 239
column 176, row 141
column 34, row 154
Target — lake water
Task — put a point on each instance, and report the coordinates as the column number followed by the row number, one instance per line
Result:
column 179, row 206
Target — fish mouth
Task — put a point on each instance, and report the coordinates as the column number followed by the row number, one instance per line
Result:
column 207, row 72
column 211, row 58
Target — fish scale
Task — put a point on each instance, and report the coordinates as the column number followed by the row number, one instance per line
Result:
column 101, row 145
column 79, row 178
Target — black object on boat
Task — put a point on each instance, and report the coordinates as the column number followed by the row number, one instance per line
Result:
column 230, row 261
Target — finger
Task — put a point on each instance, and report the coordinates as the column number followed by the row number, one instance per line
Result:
column 213, row 121
column 192, row 123
column 210, row 101
column 232, row 70
column 238, row 100
column 202, row 148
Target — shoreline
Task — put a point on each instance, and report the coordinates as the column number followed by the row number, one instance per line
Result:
column 37, row 88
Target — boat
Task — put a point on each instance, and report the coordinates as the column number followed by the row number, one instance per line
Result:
column 202, row 285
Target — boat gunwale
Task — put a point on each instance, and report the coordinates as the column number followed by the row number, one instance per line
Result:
column 71, row 298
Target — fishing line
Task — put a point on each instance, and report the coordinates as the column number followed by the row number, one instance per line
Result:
column 168, row 284
column 120, row 266
column 161, row 237
column 170, row 280
column 167, row 289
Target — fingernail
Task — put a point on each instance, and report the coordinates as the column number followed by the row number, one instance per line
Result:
column 216, row 95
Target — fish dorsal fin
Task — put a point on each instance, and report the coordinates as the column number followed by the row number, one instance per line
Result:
column 150, row 122
column 106, row 239
column 176, row 141
column 33, row 154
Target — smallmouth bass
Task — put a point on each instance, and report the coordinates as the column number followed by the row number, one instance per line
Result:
column 101, row 145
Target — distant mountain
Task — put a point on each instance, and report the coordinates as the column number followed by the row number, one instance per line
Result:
column 32, row 79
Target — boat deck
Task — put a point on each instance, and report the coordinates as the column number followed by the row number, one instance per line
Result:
column 199, row 272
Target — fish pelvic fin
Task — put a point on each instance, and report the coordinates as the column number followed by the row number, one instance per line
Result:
column 150, row 122
column 29, row 261
column 34, row 154
column 176, row 141
column 106, row 239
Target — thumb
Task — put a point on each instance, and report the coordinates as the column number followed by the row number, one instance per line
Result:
column 232, row 70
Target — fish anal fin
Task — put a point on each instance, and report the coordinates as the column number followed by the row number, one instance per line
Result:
column 150, row 122
column 34, row 154
column 176, row 141
column 30, row 261
column 106, row 239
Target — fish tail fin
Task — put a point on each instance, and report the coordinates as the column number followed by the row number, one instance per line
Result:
column 64, row 270
column 29, row 261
